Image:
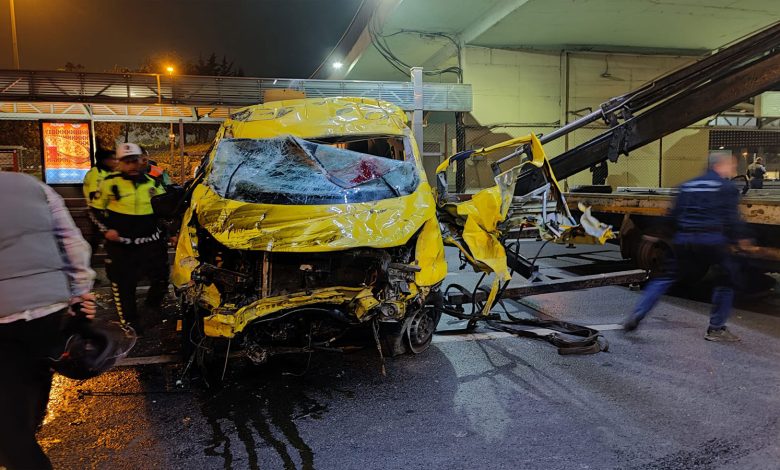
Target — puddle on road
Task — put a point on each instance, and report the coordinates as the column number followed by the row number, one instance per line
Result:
column 259, row 407
column 252, row 417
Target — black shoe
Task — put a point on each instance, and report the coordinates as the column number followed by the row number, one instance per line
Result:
column 630, row 323
column 721, row 335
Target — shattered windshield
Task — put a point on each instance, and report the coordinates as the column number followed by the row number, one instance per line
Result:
column 288, row 170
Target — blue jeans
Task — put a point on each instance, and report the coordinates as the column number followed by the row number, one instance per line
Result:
column 690, row 255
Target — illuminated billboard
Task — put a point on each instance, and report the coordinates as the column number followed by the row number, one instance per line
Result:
column 66, row 151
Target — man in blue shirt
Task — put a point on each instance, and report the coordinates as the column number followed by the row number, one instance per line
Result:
column 707, row 224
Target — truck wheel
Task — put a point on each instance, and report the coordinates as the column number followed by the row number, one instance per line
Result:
column 654, row 252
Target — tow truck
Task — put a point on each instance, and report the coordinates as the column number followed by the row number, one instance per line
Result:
column 672, row 102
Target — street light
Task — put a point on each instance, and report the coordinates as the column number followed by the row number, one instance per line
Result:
column 171, row 135
column 13, row 34
column 337, row 65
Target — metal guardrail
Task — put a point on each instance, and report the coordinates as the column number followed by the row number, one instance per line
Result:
column 189, row 90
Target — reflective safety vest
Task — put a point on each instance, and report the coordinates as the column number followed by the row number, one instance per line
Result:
column 159, row 174
column 92, row 181
column 128, row 206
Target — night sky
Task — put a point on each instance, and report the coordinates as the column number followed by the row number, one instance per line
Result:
column 267, row 38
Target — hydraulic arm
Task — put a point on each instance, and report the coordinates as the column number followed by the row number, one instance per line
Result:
column 669, row 103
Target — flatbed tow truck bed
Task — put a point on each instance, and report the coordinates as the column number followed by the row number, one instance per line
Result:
column 645, row 231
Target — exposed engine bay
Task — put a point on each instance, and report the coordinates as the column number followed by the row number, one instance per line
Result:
column 314, row 218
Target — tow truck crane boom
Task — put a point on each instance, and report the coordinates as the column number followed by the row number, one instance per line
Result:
column 669, row 103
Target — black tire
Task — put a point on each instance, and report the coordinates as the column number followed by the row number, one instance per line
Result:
column 655, row 253
column 411, row 336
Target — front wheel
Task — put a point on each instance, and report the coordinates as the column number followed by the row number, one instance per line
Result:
column 419, row 333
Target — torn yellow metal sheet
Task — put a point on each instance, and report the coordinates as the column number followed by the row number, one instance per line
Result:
column 479, row 219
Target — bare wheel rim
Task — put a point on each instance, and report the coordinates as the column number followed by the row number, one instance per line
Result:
column 420, row 331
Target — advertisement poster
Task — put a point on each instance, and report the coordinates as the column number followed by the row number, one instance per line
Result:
column 66, row 154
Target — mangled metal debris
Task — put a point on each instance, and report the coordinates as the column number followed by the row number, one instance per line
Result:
column 315, row 217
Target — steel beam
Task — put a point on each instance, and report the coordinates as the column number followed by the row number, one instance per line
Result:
column 417, row 111
column 142, row 89
column 558, row 285
column 498, row 12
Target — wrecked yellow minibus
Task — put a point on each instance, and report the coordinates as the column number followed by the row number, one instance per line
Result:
column 311, row 217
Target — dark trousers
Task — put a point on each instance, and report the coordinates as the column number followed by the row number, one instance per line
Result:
column 126, row 265
column 95, row 237
column 25, row 379
column 696, row 257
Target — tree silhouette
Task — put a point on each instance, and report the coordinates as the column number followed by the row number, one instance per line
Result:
column 211, row 66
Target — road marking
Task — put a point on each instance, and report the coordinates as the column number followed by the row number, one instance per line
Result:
column 491, row 335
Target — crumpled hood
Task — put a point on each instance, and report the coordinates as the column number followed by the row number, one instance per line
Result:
column 384, row 223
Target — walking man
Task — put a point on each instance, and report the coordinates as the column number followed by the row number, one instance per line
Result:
column 707, row 225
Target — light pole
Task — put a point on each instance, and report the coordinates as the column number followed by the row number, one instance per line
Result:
column 171, row 135
column 15, row 44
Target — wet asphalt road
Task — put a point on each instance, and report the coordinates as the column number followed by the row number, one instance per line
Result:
column 661, row 398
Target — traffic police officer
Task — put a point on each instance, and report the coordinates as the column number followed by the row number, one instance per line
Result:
column 105, row 164
column 707, row 224
column 136, row 242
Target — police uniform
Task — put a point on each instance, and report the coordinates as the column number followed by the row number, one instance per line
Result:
column 124, row 205
column 92, row 181
column 90, row 188
column 707, row 223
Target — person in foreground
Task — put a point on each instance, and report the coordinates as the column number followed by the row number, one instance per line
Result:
column 707, row 225
column 44, row 271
